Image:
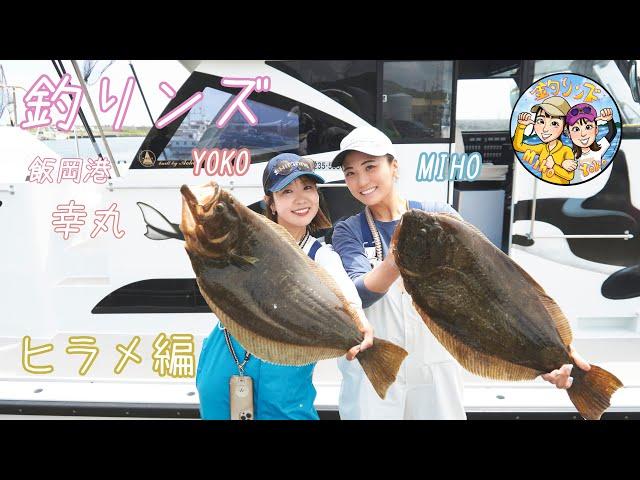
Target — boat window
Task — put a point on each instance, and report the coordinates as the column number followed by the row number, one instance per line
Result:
column 485, row 104
column 351, row 83
column 416, row 101
column 284, row 125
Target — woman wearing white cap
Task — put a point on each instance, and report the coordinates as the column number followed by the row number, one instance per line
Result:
column 279, row 392
column 428, row 385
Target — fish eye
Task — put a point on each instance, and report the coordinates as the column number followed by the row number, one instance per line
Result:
column 219, row 208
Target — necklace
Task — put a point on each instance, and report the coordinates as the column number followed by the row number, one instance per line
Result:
column 374, row 230
column 305, row 238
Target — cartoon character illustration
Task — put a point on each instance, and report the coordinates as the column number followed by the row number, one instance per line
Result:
column 582, row 127
column 556, row 160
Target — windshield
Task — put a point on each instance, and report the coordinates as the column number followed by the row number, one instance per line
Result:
column 278, row 128
column 285, row 125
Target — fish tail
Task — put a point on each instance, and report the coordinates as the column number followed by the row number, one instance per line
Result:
column 591, row 391
column 381, row 363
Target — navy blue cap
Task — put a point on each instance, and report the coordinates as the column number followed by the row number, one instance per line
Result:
column 272, row 182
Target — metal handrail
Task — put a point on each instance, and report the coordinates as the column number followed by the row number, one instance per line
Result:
column 625, row 236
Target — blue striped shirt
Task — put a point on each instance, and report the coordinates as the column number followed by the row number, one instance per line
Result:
column 348, row 243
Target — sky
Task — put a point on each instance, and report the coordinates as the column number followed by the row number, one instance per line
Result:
column 24, row 73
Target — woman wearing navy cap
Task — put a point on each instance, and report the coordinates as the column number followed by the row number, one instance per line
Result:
column 279, row 392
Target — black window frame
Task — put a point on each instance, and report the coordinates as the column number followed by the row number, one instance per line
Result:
column 158, row 139
column 454, row 94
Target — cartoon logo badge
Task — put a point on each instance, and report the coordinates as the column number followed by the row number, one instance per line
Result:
column 565, row 129
column 147, row 158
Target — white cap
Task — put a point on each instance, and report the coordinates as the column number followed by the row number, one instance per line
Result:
column 367, row 140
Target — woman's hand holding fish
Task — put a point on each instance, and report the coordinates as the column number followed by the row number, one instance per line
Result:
column 561, row 377
column 383, row 275
column 367, row 330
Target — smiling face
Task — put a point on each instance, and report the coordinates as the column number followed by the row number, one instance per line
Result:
column 297, row 204
column 369, row 178
column 548, row 128
column 583, row 133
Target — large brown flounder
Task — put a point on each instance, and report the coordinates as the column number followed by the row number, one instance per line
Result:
column 279, row 304
column 486, row 310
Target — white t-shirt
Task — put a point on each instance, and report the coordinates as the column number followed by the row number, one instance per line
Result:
column 328, row 259
column 590, row 164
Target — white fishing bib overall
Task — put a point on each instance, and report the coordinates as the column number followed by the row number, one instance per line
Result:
column 429, row 383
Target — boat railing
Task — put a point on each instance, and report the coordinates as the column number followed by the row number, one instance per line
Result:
column 625, row 236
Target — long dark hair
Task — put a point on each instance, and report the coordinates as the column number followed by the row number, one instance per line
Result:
column 577, row 151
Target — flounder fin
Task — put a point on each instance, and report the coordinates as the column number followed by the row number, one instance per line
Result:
column 560, row 320
column 562, row 323
column 244, row 262
column 555, row 312
column 591, row 391
column 381, row 363
column 476, row 362
column 272, row 351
